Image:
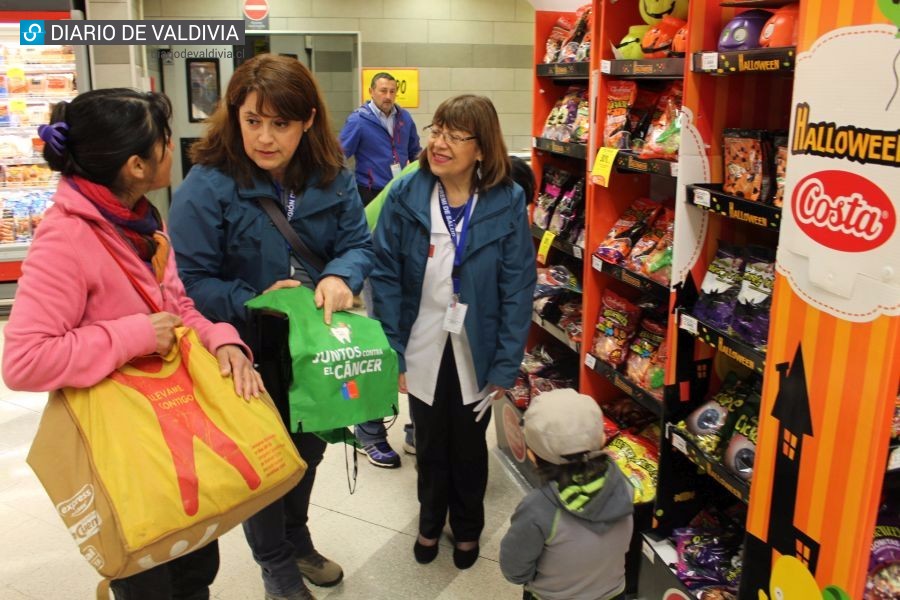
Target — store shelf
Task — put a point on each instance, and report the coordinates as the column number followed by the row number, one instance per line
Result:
column 634, row 391
column 628, row 161
column 33, row 160
column 7, row 188
column 630, row 277
column 710, row 197
column 561, row 245
column 646, row 68
column 13, row 252
column 740, row 352
column 658, row 578
column 575, row 70
column 570, row 149
column 556, row 331
column 758, row 60
column 709, row 465
column 42, row 68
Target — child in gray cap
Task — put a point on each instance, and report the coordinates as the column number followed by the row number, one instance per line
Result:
column 567, row 539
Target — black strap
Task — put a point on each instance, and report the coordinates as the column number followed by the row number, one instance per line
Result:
column 297, row 244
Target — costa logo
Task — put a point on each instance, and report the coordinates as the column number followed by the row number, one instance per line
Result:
column 843, row 211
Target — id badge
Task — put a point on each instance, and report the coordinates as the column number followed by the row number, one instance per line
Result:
column 395, row 169
column 455, row 316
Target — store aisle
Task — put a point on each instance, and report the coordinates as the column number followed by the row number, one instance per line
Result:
column 370, row 533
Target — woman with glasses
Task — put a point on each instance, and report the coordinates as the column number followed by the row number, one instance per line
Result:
column 452, row 285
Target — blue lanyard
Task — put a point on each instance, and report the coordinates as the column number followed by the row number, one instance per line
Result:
column 291, row 202
column 459, row 242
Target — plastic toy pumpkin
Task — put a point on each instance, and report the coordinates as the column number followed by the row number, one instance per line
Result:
column 742, row 32
column 653, row 11
column 679, row 42
column 657, row 42
column 630, row 46
column 781, row 29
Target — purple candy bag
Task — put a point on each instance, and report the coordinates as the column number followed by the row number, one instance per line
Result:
column 720, row 288
column 751, row 315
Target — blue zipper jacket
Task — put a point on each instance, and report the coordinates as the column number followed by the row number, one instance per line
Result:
column 366, row 138
column 229, row 251
column 497, row 273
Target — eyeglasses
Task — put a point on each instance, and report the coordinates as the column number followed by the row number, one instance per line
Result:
column 451, row 138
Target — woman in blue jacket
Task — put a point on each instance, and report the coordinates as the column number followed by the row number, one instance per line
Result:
column 452, row 285
column 270, row 138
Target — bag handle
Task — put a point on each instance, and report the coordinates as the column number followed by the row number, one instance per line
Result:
column 297, row 244
column 154, row 307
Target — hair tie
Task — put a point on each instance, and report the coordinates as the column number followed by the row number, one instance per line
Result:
column 55, row 135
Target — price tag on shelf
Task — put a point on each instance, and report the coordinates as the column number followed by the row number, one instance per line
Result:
column 893, row 461
column 673, row 169
column 648, row 552
column 709, row 61
column 590, row 361
column 679, row 444
column 689, row 323
column 544, row 248
column 605, row 66
column 597, row 263
column 534, row 142
column 603, row 165
column 577, row 252
column 702, row 198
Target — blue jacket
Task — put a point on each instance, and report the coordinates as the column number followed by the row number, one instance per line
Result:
column 366, row 138
column 228, row 250
column 497, row 273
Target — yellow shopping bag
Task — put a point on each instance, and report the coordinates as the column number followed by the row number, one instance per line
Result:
column 160, row 458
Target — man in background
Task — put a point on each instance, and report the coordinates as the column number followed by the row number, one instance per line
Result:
column 381, row 135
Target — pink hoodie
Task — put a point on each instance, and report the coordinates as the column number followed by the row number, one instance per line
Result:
column 76, row 316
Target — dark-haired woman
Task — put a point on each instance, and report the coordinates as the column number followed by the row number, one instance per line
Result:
column 271, row 137
column 452, row 286
column 76, row 316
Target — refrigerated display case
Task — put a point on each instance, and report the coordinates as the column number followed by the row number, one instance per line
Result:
column 32, row 80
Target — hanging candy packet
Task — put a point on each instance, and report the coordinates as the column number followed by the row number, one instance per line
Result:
column 615, row 328
column 643, row 350
column 751, row 315
column 720, row 288
column 644, row 247
column 658, row 264
column 554, row 280
column 747, row 154
column 552, row 184
column 781, row 156
column 561, row 30
column 569, row 206
column 663, row 135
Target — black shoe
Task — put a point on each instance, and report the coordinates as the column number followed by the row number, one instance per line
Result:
column 463, row 559
column 425, row 554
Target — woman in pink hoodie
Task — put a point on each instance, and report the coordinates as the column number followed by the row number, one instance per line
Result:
column 76, row 316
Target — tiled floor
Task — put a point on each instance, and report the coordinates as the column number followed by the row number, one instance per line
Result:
column 370, row 533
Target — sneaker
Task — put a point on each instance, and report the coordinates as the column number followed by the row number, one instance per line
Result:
column 303, row 594
column 381, row 455
column 409, row 441
column 319, row 570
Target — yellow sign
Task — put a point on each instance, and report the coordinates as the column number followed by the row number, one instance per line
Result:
column 544, row 248
column 407, row 84
column 603, row 165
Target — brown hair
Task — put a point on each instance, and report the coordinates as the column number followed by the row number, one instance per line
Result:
column 283, row 85
column 477, row 116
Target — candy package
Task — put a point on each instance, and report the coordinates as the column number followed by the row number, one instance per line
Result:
column 627, row 414
column 641, row 113
column 553, row 182
column 520, row 392
column 664, row 134
column 555, row 280
column 747, row 154
column 781, row 155
column 619, row 99
column 883, row 580
column 570, row 205
column 568, row 52
column 741, row 450
column 658, row 264
column 639, row 461
column 707, row 557
column 615, row 326
column 539, row 385
column 706, row 425
column 570, row 321
column 558, row 34
column 627, row 230
column 751, row 315
column 643, row 350
column 644, row 247
column 720, row 288
column 539, row 359
column 581, row 127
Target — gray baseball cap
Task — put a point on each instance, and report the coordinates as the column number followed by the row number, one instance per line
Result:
column 563, row 426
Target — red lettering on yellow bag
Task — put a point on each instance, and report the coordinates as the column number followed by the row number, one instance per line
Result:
column 181, row 419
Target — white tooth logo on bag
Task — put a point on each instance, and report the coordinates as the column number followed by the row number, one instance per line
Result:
column 839, row 247
column 341, row 332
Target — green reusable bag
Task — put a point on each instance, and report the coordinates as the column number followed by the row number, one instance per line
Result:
column 343, row 374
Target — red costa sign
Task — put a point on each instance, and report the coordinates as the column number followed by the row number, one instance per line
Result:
column 843, row 211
